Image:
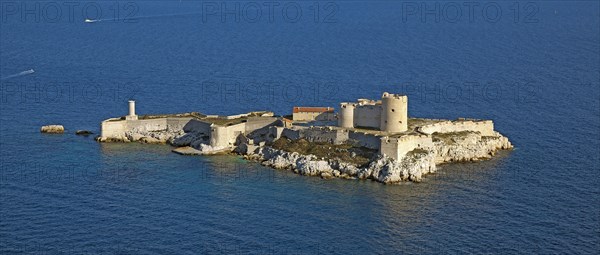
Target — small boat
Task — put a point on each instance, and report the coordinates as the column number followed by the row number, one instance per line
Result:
column 89, row 21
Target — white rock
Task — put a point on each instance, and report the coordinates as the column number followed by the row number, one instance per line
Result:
column 53, row 129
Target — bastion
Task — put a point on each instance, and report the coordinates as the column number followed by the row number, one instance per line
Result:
column 367, row 139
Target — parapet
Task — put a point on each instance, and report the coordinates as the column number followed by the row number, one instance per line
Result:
column 404, row 138
column 346, row 104
column 395, row 96
column 485, row 127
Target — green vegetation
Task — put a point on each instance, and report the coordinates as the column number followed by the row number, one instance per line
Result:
column 356, row 155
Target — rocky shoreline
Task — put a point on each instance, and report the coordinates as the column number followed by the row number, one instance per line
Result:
column 413, row 166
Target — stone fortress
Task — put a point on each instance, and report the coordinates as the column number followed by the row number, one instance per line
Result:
column 211, row 133
column 397, row 147
column 390, row 114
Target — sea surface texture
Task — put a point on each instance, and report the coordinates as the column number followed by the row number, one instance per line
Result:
column 532, row 67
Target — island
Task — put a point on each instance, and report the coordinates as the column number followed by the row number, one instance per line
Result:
column 366, row 139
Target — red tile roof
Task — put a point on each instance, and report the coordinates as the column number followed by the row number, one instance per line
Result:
column 313, row 109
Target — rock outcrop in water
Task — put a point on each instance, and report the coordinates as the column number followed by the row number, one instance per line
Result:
column 53, row 129
column 83, row 132
column 388, row 148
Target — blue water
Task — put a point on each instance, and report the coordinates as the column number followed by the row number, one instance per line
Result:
column 536, row 75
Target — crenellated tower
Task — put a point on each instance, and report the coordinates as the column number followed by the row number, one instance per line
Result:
column 346, row 117
column 394, row 115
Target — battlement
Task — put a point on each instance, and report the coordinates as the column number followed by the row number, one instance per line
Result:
column 363, row 101
column 346, row 104
column 394, row 96
column 402, row 139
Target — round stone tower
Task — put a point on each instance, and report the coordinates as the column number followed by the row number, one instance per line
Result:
column 346, row 118
column 394, row 114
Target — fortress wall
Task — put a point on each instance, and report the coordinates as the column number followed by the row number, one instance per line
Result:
column 310, row 116
column 324, row 135
column 275, row 133
column 226, row 136
column 291, row 134
column 389, row 148
column 113, row 128
column 255, row 123
column 366, row 140
column 219, row 136
column 116, row 128
column 148, row 125
column 262, row 128
column 367, row 116
column 398, row 147
column 178, row 123
column 230, row 117
column 195, row 125
column 485, row 127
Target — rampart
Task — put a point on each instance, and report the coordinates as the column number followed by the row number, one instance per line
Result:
column 485, row 127
column 366, row 140
column 220, row 135
column 397, row 147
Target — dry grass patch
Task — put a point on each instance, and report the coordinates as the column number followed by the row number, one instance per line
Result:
column 344, row 152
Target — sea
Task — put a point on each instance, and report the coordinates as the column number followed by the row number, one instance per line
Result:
column 530, row 66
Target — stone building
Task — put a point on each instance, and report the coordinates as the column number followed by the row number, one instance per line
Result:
column 313, row 113
column 214, row 130
column 390, row 114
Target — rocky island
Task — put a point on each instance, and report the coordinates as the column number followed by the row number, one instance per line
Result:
column 367, row 139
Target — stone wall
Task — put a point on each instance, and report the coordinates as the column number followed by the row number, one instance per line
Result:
column 220, row 136
column 193, row 125
column 366, row 140
column 254, row 123
column 290, row 134
column 310, row 116
column 485, row 127
column 367, row 116
column 225, row 136
column 324, row 135
column 397, row 147
column 113, row 128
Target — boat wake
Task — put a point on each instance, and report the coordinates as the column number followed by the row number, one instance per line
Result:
column 26, row 72
column 141, row 17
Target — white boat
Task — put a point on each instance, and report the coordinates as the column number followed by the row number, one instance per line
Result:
column 89, row 21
